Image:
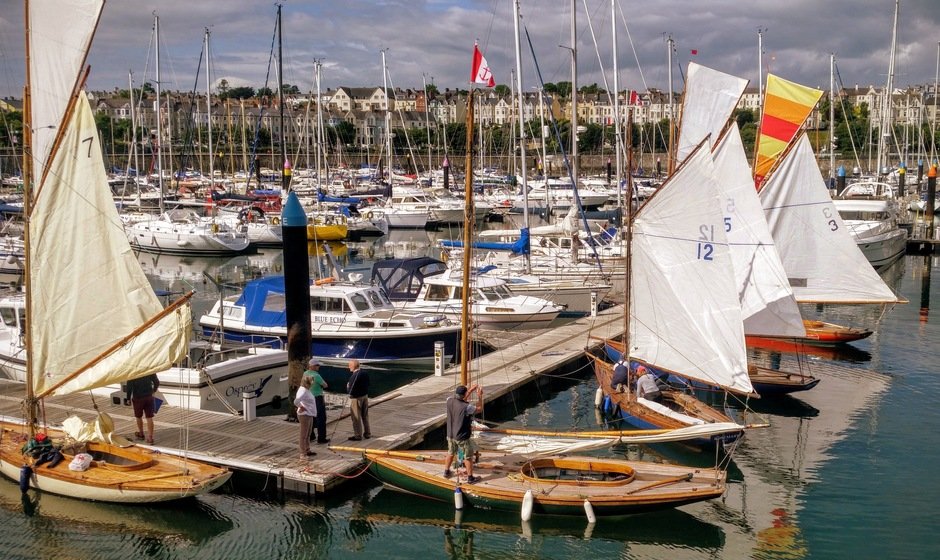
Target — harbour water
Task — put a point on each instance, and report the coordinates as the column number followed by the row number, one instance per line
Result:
column 843, row 471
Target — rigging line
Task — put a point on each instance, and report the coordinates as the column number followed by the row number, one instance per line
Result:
column 257, row 138
column 564, row 153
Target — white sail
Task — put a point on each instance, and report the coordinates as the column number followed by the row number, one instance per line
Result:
column 87, row 290
column 685, row 312
column 822, row 260
column 59, row 38
column 709, row 100
column 767, row 301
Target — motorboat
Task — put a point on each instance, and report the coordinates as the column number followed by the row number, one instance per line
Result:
column 874, row 226
column 347, row 320
column 428, row 285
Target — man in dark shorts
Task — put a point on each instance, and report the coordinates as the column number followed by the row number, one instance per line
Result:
column 459, row 418
column 140, row 391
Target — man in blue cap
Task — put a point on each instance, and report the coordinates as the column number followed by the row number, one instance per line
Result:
column 459, row 418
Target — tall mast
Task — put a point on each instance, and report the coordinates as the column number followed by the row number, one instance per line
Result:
column 574, row 95
column 388, row 121
column 521, row 117
column 884, row 132
column 467, row 240
column 933, row 126
column 670, row 154
column 427, row 118
column 130, row 85
column 760, row 74
column 618, row 145
column 156, row 33
column 628, row 245
column 285, row 170
column 320, row 146
column 209, row 113
column 832, row 115
column 32, row 406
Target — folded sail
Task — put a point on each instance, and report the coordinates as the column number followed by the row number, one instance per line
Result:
column 709, row 100
column 685, row 312
column 767, row 301
column 59, row 38
column 821, row 258
column 88, row 291
column 786, row 106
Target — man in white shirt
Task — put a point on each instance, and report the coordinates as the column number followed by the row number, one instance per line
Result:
column 646, row 386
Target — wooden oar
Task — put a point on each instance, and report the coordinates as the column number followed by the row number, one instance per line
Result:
column 664, row 482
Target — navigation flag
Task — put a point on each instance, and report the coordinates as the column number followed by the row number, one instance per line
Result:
column 480, row 72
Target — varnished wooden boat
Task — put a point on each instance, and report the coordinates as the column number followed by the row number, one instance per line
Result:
column 818, row 333
column 558, row 485
column 676, row 410
column 122, row 475
column 766, row 381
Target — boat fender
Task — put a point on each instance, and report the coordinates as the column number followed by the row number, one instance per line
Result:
column 26, row 472
column 458, row 499
column 589, row 512
column 276, row 221
column 327, row 280
column 528, row 503
column 607, row 404
column 598, row 398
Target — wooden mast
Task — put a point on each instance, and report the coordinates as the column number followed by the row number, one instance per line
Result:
column 32, row 405
column 467, row 240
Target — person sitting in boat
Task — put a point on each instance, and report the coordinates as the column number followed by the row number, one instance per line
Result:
column 646, row 386
column 459, row 417
column 619, row 380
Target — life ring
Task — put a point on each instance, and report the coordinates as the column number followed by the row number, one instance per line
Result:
column 443, row 255
column 322, row 281
column 276, row 221
column 369, row 215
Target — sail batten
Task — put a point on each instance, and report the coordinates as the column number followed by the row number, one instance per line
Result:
column 822, row 260
column 685, row 312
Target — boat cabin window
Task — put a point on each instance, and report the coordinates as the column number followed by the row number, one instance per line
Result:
column 437, row 292
column 865, row 216
column 378, row 300
column 274, row 302
column 490, row 293
column 237, row 313
column 9, row 316
column 503, row 291
column 319, row 303
column 359, row 302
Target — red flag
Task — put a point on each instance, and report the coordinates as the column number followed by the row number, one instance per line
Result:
column 480, row 72
column 634, row 98
column 694, row 52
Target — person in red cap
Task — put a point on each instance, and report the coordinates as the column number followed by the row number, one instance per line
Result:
column 646, row 386
column 459, row 417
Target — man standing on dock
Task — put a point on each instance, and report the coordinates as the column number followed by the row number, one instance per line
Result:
column 459, row 429
column 358, row 389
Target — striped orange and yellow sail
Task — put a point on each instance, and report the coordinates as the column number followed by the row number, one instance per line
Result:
column 786, row 106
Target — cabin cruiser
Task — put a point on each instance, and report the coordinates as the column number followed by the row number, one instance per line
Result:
column 874, row 226
column 427, row 284
column 347, row 321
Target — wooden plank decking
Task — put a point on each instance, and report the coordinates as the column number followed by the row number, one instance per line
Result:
column 400, row 419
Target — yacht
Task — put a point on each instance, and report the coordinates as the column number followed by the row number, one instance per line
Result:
column 183, row 231
column 428, row 285
column 869, row 211
column 347, row 320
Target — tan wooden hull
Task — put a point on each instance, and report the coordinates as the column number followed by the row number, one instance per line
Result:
column 121, row 475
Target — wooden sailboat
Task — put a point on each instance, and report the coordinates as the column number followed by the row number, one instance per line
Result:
column 94, row 320
column 684, row 312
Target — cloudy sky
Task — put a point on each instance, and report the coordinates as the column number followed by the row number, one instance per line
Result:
column 433, row 40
